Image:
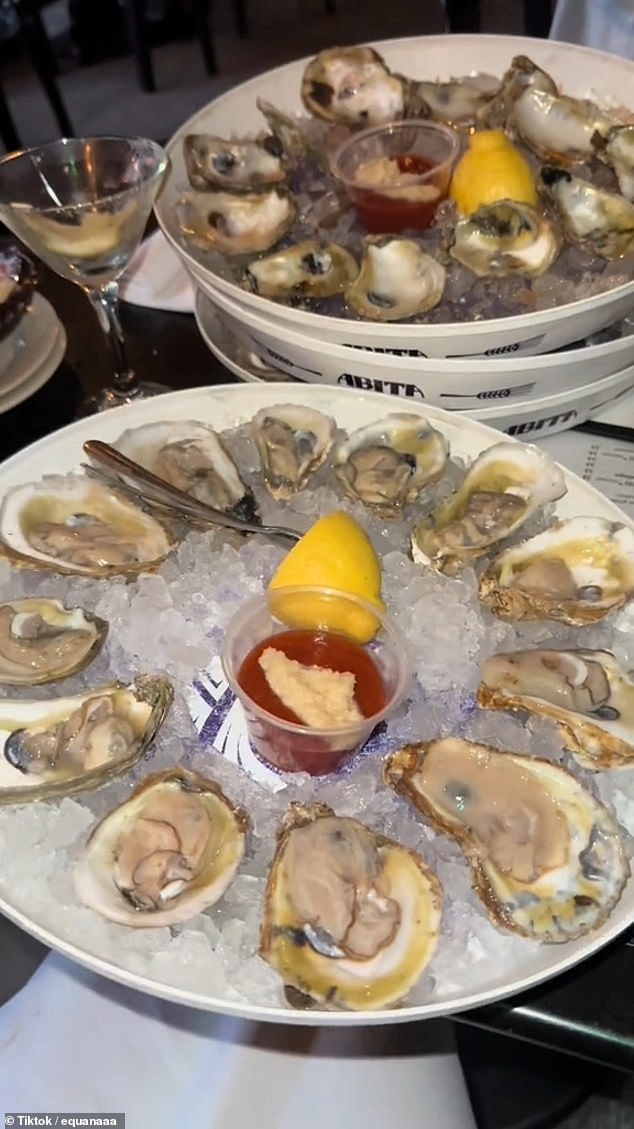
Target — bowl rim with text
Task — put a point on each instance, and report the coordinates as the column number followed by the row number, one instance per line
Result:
column 235, row 647
column 579, row 70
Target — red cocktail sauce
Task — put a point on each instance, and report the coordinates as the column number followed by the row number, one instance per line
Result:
column 380, row 213
column 307, row 751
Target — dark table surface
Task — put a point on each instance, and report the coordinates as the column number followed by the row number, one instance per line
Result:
column 587, row 1012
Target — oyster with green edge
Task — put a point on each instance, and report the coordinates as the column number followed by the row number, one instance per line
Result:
column 165, row 854
column 65, row 745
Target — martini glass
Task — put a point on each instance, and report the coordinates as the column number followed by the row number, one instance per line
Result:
column 81, row 205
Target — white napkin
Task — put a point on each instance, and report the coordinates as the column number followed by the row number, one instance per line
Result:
column 73, row 1041
column 157, row 279
column 608, row 26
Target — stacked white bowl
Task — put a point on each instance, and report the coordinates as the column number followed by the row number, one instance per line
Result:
column 504, row 371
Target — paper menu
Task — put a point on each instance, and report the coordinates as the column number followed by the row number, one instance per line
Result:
column 602, row 460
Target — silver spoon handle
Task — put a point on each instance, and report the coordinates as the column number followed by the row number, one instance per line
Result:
column 104, row 455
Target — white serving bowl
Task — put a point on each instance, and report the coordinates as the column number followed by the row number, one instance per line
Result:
column 579, row 71
column 462, row 383
column 527, row 419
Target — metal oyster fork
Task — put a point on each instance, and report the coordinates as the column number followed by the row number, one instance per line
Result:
column 152, row 489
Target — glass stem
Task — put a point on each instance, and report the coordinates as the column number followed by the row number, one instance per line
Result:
column 105, row 303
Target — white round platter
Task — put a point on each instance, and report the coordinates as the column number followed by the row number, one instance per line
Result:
column 450, row 384
column 527, row 419
column 580, row 71
column 227, row 406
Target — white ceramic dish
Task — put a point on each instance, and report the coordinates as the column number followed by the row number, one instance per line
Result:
column 32, row 342
column 545, row 415
column 579, row 70
column 451, row 384
column 224, row 407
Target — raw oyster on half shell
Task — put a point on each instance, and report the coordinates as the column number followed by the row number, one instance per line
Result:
column 575, row 572
column 600, row 221
column 546, row 856
column 236, row 224
column 164, row 855
column 616, row 148
column 502, row 488
column 523, row 74
column 70, row 524
column 397, row 279
column 351, row 919
column 293, row 441
column 41, row 641
column 305, row 270
column 387, row 463
column 192, row 457
column 586, row 693
column 459, row 101
column 64, row 745
column 556, row 126
column 505, row 238
column 354, row 86
column 234, row 165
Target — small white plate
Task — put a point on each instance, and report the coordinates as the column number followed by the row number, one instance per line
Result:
column 35, row 379
column 30, row 345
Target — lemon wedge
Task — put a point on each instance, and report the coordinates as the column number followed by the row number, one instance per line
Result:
column 334, row 553
column 492, row 169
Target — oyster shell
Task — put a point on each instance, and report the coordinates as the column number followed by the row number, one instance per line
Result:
column 502, row 488
column 586, row 692
column 353, row 85
column 164, row 855
column 351, row 919
column 244, row 224
column 293, row 441
column 546, row 856
column 602, row 222
column 234, row 165
column 192, row 457
column 306, row 270
column 387, row 463
column 396, row 280
column 556, row 126
column 575, row 572
column 457, row 102
column 41, row 641
column 70, row 524
column 505, row 238
column 616, row 148
column 64, row 745
column 523, row 74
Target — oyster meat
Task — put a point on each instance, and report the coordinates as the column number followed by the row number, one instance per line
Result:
column 502, row 488
column 192, row 457
column 387, row 463
column 351, row 919
column 237, row 166
column 70, row 524
column 293, row 441
column 523, row 74
column 617, row 150
column 41, row 641
column 236, row 224
column 306, row 270
column 64, row 745
column 546, row 856
column 353, row 85
column 397, row 280
column 457, row 102
column 600, row 221
column 557, row 127
column 505, row 238
column 586, row 692
column 164, row 855
column 575, row 572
